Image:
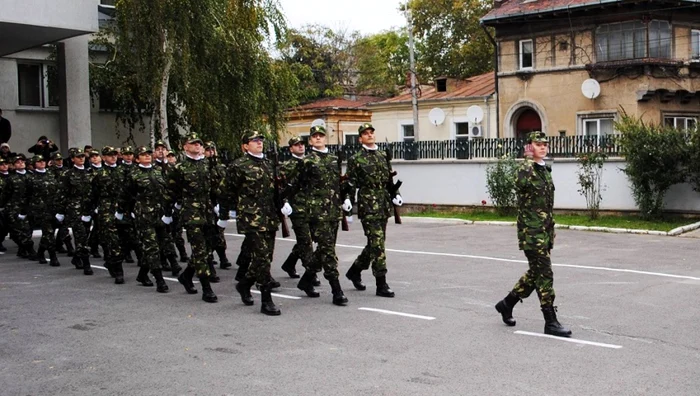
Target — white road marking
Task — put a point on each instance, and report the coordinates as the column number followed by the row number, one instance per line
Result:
column 573, row 340
column 383, row 311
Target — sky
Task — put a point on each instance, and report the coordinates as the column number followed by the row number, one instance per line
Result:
column 366, row 16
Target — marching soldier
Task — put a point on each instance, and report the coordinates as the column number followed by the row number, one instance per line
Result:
column 63, row 236
column 168, row 255
column 128, row 237
column 76, row 209
column 4, row 175
column 176, row 228
column 535, row 192
column 217, row 238
column 41, row 192
column 18, row 209
column 95, row 166
column 191, row 187
column 369, row 172
column 250, row 188
column 319, row 180
column 290, row 174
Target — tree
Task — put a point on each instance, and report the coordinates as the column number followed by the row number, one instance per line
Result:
column 450, row 39
column 382, row 62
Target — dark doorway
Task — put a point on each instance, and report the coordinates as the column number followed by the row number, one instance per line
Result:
column 528, row 121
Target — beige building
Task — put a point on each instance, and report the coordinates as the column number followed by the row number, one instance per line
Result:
column 442, row 111
column 641, row 56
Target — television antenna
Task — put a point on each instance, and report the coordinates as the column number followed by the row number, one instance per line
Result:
column 590, row 88
column 475, row 114
column 436, row 116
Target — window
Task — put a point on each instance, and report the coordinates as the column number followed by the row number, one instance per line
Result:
column 598, row 126
column 681, row 121
column 526, row 57
column 632, row 40
column 351, row 139
column 462, row 130
column 407, row 133
column 37, row 84
column 695, row 42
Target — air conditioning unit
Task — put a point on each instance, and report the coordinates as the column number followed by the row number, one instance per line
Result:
column 475, row 131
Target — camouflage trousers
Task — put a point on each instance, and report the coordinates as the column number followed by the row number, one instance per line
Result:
column 128, row 237
column 539, row 277
column 243, row 259
column 20, row 230
column 324, row 233
column 198, row 259
column 215, row 237
column 80, row 234
column 373, row 254
column 262, row 245
column 4, row 226
column 63, row 234
column 45, row 221
column 177, row 233
column 168, row 248
column 152, row 243
column 109, row 237
column 304, row 246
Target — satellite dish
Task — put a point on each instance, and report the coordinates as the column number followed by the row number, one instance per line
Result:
column 436, row 116
column 475, row 114
column 318, row 122
column 590, row 88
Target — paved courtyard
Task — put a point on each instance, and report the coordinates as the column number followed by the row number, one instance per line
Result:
column 630, row 300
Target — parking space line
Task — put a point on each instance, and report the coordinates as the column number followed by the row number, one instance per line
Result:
column 573, row 340
column 408, row 315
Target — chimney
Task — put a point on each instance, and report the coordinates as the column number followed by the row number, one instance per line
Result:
column 498, row 3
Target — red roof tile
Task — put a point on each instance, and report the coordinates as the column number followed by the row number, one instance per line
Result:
column 515, row 8
column 481, row 85
column 338, row 103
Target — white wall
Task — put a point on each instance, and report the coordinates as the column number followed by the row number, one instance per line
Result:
column 65, row 14
column 453, row 182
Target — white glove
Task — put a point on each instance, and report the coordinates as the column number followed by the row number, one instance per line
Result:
column 232, row 214
column 222, row 223
column 347, row 205
column 60, row 217
column 349, row 219
column 86, row 219
column 133, row 216
column 397, row 200
column 96, row 210
column 119, row 216
column 216, row 209
column 21, row 216
column 178, row 206
column 166, row 219
column 286, row 209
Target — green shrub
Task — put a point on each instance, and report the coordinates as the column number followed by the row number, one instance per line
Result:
column 500, row 184
column 590, row 180
column 694, row 159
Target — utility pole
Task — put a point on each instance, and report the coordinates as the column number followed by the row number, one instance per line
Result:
column 412, row 61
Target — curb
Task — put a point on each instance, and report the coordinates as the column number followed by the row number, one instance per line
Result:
column 674, row 232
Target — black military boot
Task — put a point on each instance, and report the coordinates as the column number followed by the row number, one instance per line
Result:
column 77, row 262
column 21, row 252
column 242, row 270
column 306, row 284
column 161, row 286
column 272, row 282
column 110, row 268
column 207, row 293
column 338, row 295
column 53, row 260
column 40, row 255
column 183, row 254
column 505, row 308
column 87, row 270
column 95, row 252
column 70, row 251
column 289, row 265
column 213, row 277
column 315, row 281
column 223, row 260
column 31, row 254
column 118, row 273
column 551, row 324
column 382, row 288
column 143, row 278
column 354, row 275
column 185, row 280
column 243, row 288
column 128, row 258
column 174, row 266
column 268, row 307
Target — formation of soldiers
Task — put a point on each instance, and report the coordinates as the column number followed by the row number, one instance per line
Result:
column 140, row 200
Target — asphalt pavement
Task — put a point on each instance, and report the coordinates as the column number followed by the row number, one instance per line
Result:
column 630, row 301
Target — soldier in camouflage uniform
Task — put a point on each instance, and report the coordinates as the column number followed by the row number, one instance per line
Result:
column 250, row 189
column 191, row 188
column 319, row 182
column 145, row 199
column 168, row 254
column 76, row 209
column 535, row 193
column 42, row 189
column 107, row 184
column 63, row 236
column 177, row 234
column 4, row 175
column 16, row 204
column 289, row 171
column 216, row 234
column 95, row 165
column 369, row 172
column 128, row 236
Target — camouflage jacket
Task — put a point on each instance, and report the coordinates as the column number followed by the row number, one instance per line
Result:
column 3, row 188
column 535, row 192
column 42, row 188
column 191, row 184
column 16, row 197
column 249, row 188
column 218, row 174
column 320, row 184
column 57, row 172
column 107, row 185
column 289, row 172
column 76, row 190
column 369, row 172
column 146, row 196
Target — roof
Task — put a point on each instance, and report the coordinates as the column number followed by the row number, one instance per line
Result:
column 338, row 103
column 477, row 86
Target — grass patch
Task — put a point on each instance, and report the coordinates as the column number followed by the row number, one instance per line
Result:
column 611, row 221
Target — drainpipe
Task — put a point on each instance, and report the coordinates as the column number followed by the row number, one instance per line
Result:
column 488, row 114
column 495, row 67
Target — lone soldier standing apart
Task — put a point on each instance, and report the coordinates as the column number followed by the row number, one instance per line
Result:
column 535, row 191
column 370, row 172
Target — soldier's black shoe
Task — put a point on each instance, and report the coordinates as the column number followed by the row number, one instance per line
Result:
column 128, row 258
column 306, row 284
column 272, row 283
column 161, row 286
column 315, row 281
column 143, row 278
column 240, row 274
column 174, row 266
column 354, row 276
column 267, row 306
column 207, row 293
column 551, row 324
column 338, row 295
column 213, row 277
column 225, row 263
column 505, row 308
column 185, row 280
column 40, row 255
column 77, row 262
column 289, row 265
column 383, row 289
column 118, row 269
column 87, row 270
column 53, row 260
column 31, row 254
column 243, row 288
column 119, row 279
column 110, row 269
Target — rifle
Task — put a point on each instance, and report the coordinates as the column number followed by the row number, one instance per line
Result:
column 392, row 187
column 279, row 199
column 341, row 154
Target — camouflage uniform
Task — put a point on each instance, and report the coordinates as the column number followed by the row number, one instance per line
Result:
column 215, row 235
column 289, row 171
column 42, row 189
column 94, row 240
column 63, row 235
column 128, row 237
column 176, row 232
column 4, row 230
column 168, row 255
column 16, row 204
